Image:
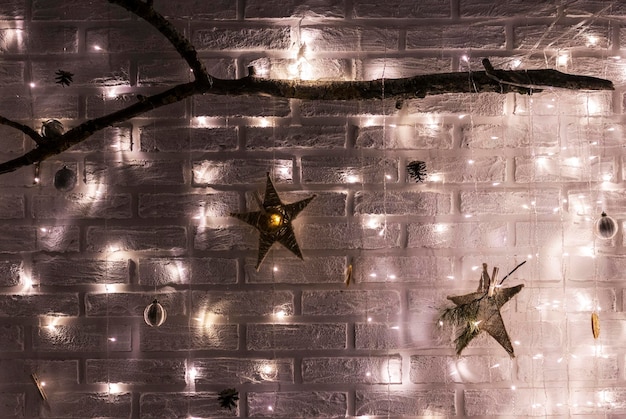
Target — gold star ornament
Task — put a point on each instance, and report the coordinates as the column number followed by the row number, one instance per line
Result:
column 273, row 221
column 480, row 311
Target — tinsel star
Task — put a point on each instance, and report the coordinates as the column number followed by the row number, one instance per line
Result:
column 480, row 311
column 273, row 221
column 64, row 78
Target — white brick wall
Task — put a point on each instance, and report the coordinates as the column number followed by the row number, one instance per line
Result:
column 511, row 178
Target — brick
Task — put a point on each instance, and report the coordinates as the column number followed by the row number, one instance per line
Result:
column 353, row 370
column 379, row 39
column 540, row 36
column 586, row 268
column 80, row 205
column 240, row 171
column 422, row 270
column 308, row 69
column 546, row 368
column 59, row 373
column 317, row 336
column 470, row 170
column 13, row 142
column 571, row 300
column 312, row 270
column 562, row 169
column 342, row 108
column 134, row 172
column 242, row 303
column 136, row 371
column 396, row 68
column 466, row 235
column 514, row 135
column 469, row 369
column 574, row 104
column 549, row 334
column 594, row 131
column 553, row 234
column 225, row 106
column 82, row 338
column 131, row 38
column 505, row 401
column 120, row 304
column 351, row 303
column 405, row 403
column 15, row 239
column 223, row 238
column 540, row 202
column 384, row 336
column 401, row 203
column 179, row 336
column 12, row 338
column 112, row 138
column 12, row 40
column 590, row 401
column 77, row 10
column 71, row 404
column 330, row 38
column 287, row 404
column 410, row 137
column 485, row 104
column 175, row 405
column 348, row 236
column 330, row 169
column 289, row 8
column 196, row 206
column 53, row 270
column 10, row 273
column 11, row 74
column 255, row 39
column 101, row 239
column 13, row 404
column 61, row 239
column 485, row 8
column 310, row 137
column 224, row 371
column 187, row 270
column 58, row 304
column 12, row 9
column 197, row 10
column 455, row 36
column 47, row 39
column 183, row 139
column 429, row 302
column 400, row 9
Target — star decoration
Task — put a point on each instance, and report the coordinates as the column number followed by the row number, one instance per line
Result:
column 64, row 78
column 273, row 221
column 480, row 311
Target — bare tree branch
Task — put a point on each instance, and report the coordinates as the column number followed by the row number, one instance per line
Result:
column 34, row 135
column 490, row 80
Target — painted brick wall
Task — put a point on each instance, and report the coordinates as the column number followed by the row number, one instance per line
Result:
column 511, row 178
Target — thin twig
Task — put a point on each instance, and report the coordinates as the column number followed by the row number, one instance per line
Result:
column 507, row 275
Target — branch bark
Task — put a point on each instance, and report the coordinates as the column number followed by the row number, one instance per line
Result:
column 490, row 80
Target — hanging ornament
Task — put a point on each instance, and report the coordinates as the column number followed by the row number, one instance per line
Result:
column 154, row 315
column 228, row 398
column 480, row 311
column 65, row 179
column 274, row 222
column 605, row 227
column 417, row 170
column 52, row 129
column 595, row 325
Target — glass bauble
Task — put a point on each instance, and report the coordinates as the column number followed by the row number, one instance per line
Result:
column 65, row 179
column 52, row 128
column 605, row 227
column 154, row 315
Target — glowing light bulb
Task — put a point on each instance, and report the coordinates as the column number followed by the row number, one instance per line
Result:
column 275, row 220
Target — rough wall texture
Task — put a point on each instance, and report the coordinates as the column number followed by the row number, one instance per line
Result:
column 511, row 178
